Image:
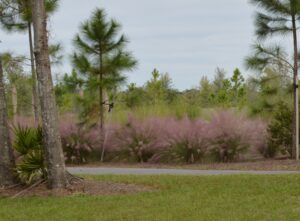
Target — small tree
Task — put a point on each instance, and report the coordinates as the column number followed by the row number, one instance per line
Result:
column 280, row 131
column 238, row 87
column 267, row 91
column 100, row 56
column 281, row 17
column 134, row 96
column 158, row 88
column 205, row 92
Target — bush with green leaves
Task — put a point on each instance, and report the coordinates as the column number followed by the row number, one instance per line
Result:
column 280, row 131
column 30, row 163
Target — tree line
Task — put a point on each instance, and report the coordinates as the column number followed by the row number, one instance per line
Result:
column 96, row 85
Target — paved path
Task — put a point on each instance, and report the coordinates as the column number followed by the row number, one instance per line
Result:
column 153, row 171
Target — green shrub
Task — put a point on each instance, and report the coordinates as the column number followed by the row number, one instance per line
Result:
column 280, row 131
column 28, row 144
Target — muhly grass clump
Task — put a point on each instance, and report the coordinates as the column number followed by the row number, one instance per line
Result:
column 82, row 143
column 137, row 141
column 226, row 137
column 76, row 142
column 185, row 140
column 231, row 136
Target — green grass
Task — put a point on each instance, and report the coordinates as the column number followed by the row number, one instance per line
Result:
column 180, row 198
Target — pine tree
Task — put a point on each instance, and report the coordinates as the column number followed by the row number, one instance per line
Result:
column 281, row 17
column 51, row 138
column 101, row 57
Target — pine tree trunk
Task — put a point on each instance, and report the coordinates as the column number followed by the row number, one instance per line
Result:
column 51, row 138
column 295, row 150
column 101, row 104
column 35, row 103
column 14, row 100
column 101, row 101
column 81, row 93
column 101, row 112
column 7, row 161
column 101, row 93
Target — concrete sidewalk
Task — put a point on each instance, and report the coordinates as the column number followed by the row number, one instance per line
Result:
column 153, row 171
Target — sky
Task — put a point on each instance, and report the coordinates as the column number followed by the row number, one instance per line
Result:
column 187, row 39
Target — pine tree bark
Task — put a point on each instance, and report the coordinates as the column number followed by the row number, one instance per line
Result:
column 35, row 103
column 102, row 104
column 14, row 100
column 7, row 161
column 295, row 150
column 51, row 138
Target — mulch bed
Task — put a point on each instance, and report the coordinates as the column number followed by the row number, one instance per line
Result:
column 85, row 187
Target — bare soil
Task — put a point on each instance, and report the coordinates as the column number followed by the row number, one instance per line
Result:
column 86, row 187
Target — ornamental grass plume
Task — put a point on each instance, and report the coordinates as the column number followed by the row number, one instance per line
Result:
column 232, row 135
column 185, row 141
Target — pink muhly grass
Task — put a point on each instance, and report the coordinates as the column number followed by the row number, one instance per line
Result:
column 76, row 141
column 231, row 135
column 227, row 136
column 185, row 140
column 138, row 140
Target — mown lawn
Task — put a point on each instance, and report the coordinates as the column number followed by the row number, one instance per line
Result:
column 182, row 198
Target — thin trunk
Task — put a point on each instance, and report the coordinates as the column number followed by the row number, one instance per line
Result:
column 51, row 138
column 35, row 103
column 295, row 150
column 7, row 161
column 102, row 103
column 14, row 100
column 106, row 136
column 101, row 94
column 81, row 93
column 106, row 100
column 101, row 111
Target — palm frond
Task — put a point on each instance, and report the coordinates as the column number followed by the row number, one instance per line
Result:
column 27, row 139
column 32, row 167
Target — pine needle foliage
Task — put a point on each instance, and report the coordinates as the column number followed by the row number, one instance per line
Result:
column 101, row 56
column 16, row 14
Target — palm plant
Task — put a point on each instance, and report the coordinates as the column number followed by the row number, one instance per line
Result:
column 101, row 57
column 28, row 144
column 16, row 16
column 281, row 17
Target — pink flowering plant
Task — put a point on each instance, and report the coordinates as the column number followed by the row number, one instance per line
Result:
column 185, row 141
column 231, row 136
column 138, row 141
